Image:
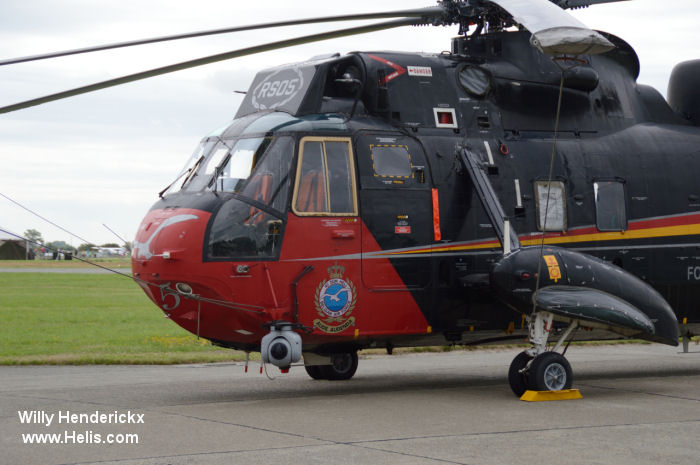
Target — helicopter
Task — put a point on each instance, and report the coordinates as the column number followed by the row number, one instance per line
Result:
column 506, row 189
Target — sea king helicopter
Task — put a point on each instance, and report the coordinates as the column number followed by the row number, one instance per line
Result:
column 520, row 186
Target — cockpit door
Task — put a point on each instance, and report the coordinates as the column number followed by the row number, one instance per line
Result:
column 324, row 231
column 397, row 210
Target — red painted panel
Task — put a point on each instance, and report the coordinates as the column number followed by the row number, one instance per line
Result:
column 233, row 302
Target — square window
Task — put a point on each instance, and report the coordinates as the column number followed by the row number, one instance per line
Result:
column 610, row 206
column 551, row 205
column 392, row 161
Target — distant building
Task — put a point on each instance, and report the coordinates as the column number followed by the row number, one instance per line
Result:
column 13, row 248
column 106, row 252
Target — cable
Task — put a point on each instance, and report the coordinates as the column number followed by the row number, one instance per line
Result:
column 56, row 250
column 271, row 378
column 232, row 305
column 576, row 62
column 47, row 220
column 549, row 185
column 199, row 299
column 112, row 231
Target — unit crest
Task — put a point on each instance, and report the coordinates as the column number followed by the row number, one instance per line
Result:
column 335, row 299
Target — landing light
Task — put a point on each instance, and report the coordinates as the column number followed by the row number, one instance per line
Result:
column 183, row 288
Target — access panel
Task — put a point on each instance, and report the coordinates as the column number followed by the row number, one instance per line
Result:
column 396, row 207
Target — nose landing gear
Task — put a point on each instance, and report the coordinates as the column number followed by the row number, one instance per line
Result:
column 539, row 369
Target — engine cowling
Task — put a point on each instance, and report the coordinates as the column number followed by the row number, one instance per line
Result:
column 683, row 90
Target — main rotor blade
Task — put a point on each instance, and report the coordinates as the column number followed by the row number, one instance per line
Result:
column 212, row 59
column 583, row 3
column 425, row 13
column 554, row 31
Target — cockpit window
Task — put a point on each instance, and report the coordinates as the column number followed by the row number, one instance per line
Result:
column 249, row 226
column 230, row 161
column 269, row 182
column 186, row 172
column 237, row 168
column 202, row 172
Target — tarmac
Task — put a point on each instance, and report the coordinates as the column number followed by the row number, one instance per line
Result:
column 641, row 405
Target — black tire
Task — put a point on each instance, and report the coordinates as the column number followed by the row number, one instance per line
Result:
column 517, row 380
column 550, row 371
column 314, row 371
column 343, row 366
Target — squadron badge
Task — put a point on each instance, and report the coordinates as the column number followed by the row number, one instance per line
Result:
column 335, row 300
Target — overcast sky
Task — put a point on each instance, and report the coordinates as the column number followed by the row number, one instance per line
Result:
column 103, row 157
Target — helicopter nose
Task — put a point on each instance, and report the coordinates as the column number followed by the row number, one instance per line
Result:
column 165, row 252
column 167, row 261
column 170, row 234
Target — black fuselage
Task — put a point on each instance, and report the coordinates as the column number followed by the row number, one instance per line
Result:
column 607, row 170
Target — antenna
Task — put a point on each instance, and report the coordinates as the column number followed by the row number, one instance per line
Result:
column 112, row 231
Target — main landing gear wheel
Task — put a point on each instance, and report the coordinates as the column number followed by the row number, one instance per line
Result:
column 516, row 376
column 550, row 371
column 343, row 366
column 314, row 371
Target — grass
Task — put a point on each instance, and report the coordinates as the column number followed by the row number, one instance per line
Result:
column 49, row 318
column 43, row 264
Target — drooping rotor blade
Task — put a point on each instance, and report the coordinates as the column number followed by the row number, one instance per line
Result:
column 212, row 59
column 554, row 31
column 583, row 3
column 430, row 12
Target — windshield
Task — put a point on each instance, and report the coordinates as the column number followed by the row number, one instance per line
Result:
column 229, row 161
column 201, row 174
column 199, row 153
column 244, row 155
column 250, row 225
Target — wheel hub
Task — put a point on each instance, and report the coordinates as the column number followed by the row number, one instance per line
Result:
column 555, row 377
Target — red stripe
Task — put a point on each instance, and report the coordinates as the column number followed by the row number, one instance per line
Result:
column 399, row 70
column 436, row 216
column 670, row 221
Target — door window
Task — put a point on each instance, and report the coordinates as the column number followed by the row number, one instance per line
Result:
column 325, row 182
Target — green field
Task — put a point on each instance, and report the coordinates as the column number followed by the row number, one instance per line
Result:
column 52, row 318
column 38, row 265
column 49, row 318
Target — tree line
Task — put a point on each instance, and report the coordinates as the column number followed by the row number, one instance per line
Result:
column 38, row 245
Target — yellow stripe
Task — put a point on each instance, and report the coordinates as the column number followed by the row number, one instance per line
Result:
column 663, row 231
